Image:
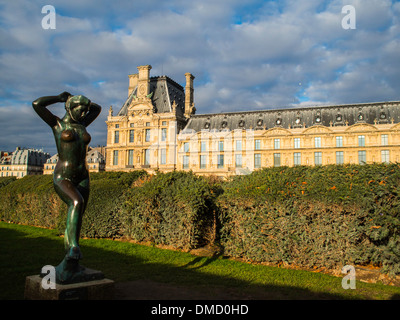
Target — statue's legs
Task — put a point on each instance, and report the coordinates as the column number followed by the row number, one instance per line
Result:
column 75, row 196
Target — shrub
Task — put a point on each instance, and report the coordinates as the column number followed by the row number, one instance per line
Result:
column 314, row 216
column 32, row 200
column 175, row 209
column 106, row 198
column 6, row 180
column 323, row 216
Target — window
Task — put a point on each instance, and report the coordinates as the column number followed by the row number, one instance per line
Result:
column 203, row 146
column 257, row 144
column 203, row 162
column 384, row 140
column 277, row 143
column 117, row 126
column 185, row 162
column 339, row 142
column 220, row 146
column 277, row 159
column 163, row 158
column 147, row 137
column 164, row 123
column 147, row 124
column 186, row 147
column 147, row 157
column 220, row 161
column 361, row 141
column 130, row 157
column 131, row 125
column 115, row 158
column 164, row 134
column 238, row 160
column 297, row 158
column 296, row 143
column 238, row 145
column 116, row 137
column 318, row 158
column 339, row 157
column 317, row 142
column 362, row 157
column 257, row 160
column 131, row 135
column 385, row 156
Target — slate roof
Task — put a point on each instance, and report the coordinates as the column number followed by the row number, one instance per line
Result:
column 164, row 92
column 94, row 156
column 29, row 156
column 339, row 115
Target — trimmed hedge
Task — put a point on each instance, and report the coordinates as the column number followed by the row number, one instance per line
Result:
column 106, row 198
column 323, row 216
column 32, row 200
column 175, row 209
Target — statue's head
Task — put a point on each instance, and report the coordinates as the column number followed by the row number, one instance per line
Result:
column 77, row 107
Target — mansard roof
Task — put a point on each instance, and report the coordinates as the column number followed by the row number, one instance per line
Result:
column 164, row 91
column 337, row 115
column 29, row 156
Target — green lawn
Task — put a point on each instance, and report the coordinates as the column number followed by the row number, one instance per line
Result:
column 25, row 249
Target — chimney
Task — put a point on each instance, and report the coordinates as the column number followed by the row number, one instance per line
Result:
column 133, row 81
column 189, row 105
column 143, row 81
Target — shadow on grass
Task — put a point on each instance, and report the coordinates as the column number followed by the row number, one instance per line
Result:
column 23, row 255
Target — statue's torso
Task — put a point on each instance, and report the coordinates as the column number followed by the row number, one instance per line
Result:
column 72, row 142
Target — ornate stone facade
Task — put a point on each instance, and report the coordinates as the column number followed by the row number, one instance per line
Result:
column 144, row 132
column 157, row 129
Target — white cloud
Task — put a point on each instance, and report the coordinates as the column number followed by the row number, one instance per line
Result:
column 244, row 55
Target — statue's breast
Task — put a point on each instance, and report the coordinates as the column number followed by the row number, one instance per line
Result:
column 73, row 135
column 86, row 138
column 68, row 135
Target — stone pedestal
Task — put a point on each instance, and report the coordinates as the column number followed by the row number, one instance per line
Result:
column 90, row 290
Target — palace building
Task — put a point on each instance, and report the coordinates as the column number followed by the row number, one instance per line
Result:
column 157, row 129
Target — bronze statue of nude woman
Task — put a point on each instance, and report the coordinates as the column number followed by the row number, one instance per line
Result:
column 71, row 175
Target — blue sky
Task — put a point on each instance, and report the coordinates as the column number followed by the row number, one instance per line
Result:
column 245, row 55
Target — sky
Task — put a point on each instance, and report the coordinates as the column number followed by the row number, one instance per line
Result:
column 245, row 55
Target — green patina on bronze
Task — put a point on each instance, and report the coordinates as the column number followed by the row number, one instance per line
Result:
column 71, row 174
